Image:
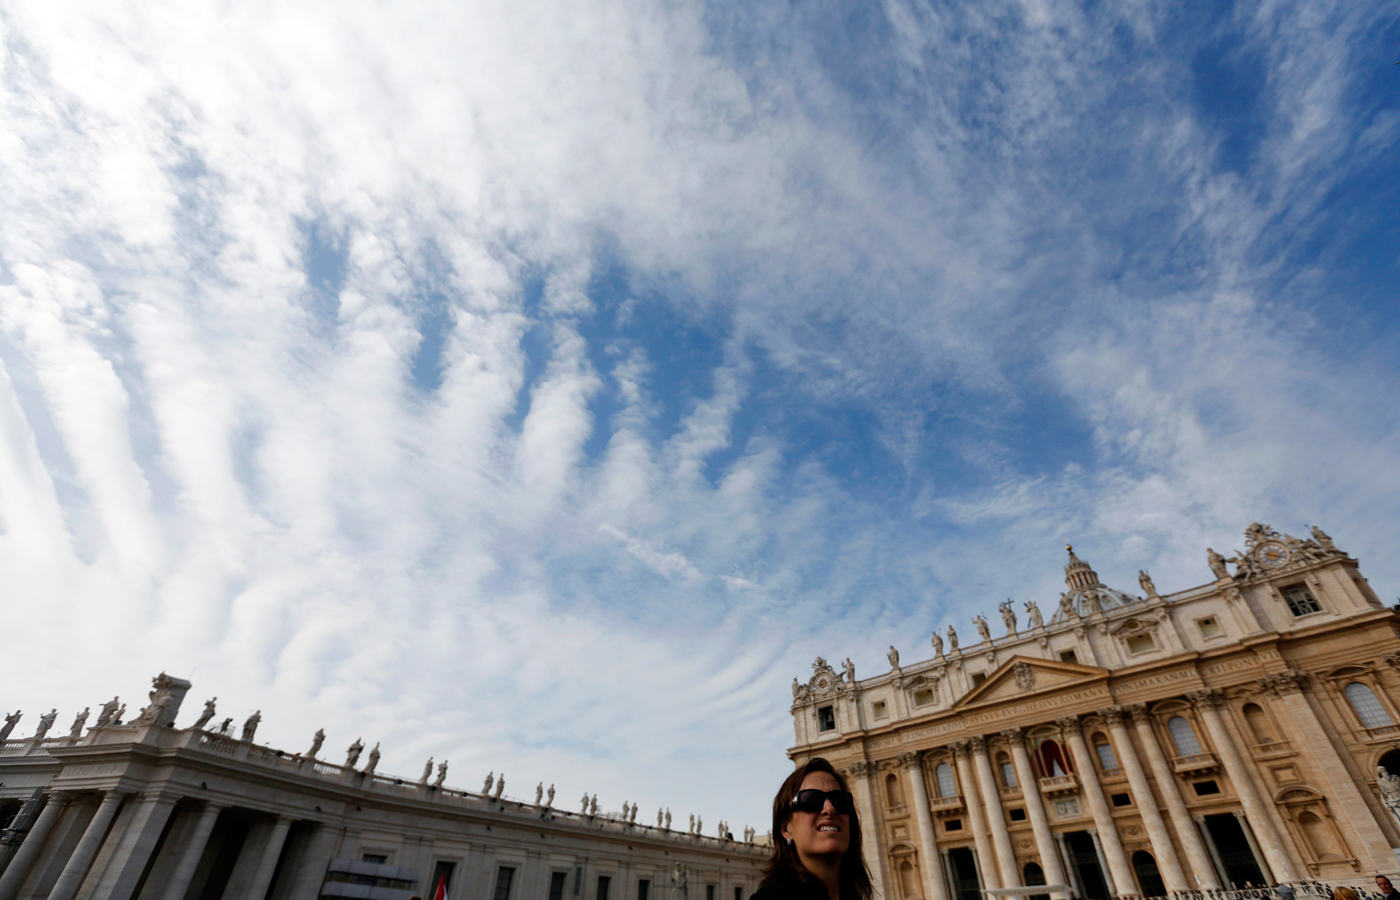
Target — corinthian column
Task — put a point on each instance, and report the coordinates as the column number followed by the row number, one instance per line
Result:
column 872, row 846
column 996, row 819
column 76, row 870
column 935, row 887
column 1118, row 869
column 1208, row 702
column 1035, row 807
column 962, row 751
column 1157, row 834
column 1201, row 869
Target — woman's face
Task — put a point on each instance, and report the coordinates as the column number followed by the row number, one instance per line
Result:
column 825, row 833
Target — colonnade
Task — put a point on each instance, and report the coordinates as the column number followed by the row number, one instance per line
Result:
column 1182, row 856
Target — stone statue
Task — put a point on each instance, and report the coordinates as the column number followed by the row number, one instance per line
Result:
column 699, row 826
column 937, row 644
column 79, row 722
column 373, row 760
column 982, row 628
column 893, row 657
column 500, row 787
column 850, row 669
column 427, row 772
column 317, row 740
column 486, row 785
column 45, row 723
column 11, row 720
column 205, row 716
column 1323, row 539
column 155, row 712
column 1390, row 790
column 625, row 806
column 593, row 806
column 117, row 718
column 250, row 727
column 1008, row 616
column 952, row 638
column 539, row 793
column 585, row 803
column 658, row 818
column 549, row 798
column 1145, row 581
column 690, row 829
column 226, row 725
column 441, row 775
column 680, row 890
column 1067, row 606
column 107, row 712
column 668, row 819
column 1033, row 613
column 1217, row 564
column 352, row 755
column 632, row 815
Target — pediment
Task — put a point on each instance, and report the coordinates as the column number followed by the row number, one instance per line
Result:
column 1022, row 675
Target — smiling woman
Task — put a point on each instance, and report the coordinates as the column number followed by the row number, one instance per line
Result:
column 817, row 842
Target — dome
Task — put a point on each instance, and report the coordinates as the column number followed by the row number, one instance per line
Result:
column 1086, row 594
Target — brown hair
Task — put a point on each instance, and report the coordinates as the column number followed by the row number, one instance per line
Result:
column 1345, row 893
column 785, row 864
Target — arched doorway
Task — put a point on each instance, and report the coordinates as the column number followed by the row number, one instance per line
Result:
column 1148, row 878
column 1390, row 761
column 1033, row 875
column 1232, row 846
column 1084, row 856
column 963, row 865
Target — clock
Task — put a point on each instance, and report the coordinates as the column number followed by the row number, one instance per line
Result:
column 823, row 683
column 1271, row 554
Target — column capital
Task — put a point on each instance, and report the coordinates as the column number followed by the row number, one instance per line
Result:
column 1069, row 724
column 1137, row 711
column 1290, row 682
column 977, row 743
column 910, row 760
column 961, row 749
column 1015, row 736
column 1114, row 715
column 1207, row 699
column 862, row 768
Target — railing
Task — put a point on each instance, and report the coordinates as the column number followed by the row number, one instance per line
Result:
column 1383, row 731
column 1301, row 890
column 945, row 805
column 1059, row 784
column 1270, row 749
column 1195, row 762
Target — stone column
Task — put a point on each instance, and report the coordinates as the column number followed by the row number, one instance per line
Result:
column 913, row 764
column 1201, row 869
column 1208, row 703
column 311, row 872
column 860, row 773
column 962, row 751
column 1118, row 870
column 76, row 870
column 1157, row 835
column 134, row 850
column 996, row 819
column 33, row 843
column 1288, row 686
column 1035, row 807
column 191, row 853
column 267, row 866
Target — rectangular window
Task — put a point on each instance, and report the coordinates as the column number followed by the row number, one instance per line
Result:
column 978, row 678
column 1008, row 774
column 953, row 825
column 1017, row 814
column 710, row 892
column 604, row 882
column 378, row 859
column 1210, row 627
column 1107, row 761
column 556, row 885
column 738, row 893
column 923, row 697
column 826, row 719
column 1300, row 600
column 643, row 889
column 1141, row 643
column 504, row 876
column 1069, row 656
column 1206, row 788
column 879, row 709
column 442, row 873
column 1122, row 800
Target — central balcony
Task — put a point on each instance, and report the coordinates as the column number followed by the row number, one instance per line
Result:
column 1059, row 785
column 945, row 806
column 1195, row 764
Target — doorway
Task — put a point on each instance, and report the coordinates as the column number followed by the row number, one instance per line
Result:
column 964, row 868
column 1033, row 875
column 1149, row 878
column 1085, row 859
column 1232, row 846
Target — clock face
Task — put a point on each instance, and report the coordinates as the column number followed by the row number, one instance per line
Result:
column 823, row 683
column 1271, row 554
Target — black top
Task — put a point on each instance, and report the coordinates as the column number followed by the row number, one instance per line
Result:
column 786, row 887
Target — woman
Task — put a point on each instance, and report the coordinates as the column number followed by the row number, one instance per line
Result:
column 816, row 840
column 1345, row 893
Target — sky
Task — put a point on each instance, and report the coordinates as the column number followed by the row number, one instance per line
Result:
column 542, row 385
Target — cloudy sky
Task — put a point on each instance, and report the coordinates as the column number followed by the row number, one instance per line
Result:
column 542, row 385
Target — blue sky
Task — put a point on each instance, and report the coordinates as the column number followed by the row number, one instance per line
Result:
column 543, row 385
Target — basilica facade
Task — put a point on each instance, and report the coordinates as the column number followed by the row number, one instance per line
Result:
column 1238, row 733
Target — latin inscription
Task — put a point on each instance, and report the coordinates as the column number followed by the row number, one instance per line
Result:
column 92, row 771
column 1233, row 665
column 1096, row 694
column 1154, row 680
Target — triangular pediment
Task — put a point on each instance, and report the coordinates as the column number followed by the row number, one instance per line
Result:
column 1023, row 675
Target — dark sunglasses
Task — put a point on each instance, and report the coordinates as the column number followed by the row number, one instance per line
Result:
column 811, row 800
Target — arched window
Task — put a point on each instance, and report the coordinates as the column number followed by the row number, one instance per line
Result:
column 1104, row 751
column 908, row 880
column 1368, row 708
column 894, row 793
column 1053, row 759
column 1008, row 771
column 1319, row 837
column 1183, row 737
column 1259, row 724
column 947, row 786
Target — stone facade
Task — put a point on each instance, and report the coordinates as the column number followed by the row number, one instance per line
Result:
column 1226, row 735
column 153, row 812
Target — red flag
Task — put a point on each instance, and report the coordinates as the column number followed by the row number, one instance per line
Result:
column 441, row 893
